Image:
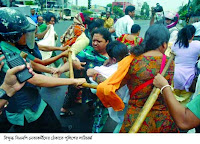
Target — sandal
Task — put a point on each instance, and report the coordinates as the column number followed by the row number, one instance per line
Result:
column 68, row 113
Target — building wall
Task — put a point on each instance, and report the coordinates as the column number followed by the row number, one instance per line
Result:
column 122, row 5
column 130, row 1
column 97, row 9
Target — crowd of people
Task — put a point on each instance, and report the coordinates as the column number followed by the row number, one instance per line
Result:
column 112, row 55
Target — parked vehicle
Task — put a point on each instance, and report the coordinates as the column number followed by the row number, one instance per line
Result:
column 69, row 13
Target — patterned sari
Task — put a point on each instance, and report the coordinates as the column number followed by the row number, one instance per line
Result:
column 74, row 31
column 158, row 120
column 130, row 43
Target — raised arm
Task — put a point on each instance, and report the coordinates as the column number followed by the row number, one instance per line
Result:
column 152, row 16
column 41, row 35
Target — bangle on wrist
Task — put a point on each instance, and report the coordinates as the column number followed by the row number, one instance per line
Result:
column 161, row 90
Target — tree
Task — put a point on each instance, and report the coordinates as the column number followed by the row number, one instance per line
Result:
column 190, row 9
column 109, row 5
column 195, row 5
column 83, row 8
column 42, row 3
column 87, row 12
column 89, row 4
column 29, row 3
column 183, row 10
column 145, row 10
column 117, row 11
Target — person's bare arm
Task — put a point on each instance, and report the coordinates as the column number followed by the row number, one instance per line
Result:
column 52, row 59
column 45, row 81
column 41, row 35
column 152, row 16
column 182, row 116
column 64, row 68
column 51, row 48
column 41, row 68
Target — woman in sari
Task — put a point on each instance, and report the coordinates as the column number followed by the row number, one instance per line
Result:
column 93, row 56
column 132, row 39
column 138, row 71
column 75, row 36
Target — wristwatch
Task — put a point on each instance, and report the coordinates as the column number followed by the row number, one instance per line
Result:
column 3, row 95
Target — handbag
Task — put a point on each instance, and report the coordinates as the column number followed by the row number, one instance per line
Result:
column 194, row 82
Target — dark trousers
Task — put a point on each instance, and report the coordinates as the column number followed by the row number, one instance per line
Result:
column 70, row 97
column 46, row 123
column 72, row 93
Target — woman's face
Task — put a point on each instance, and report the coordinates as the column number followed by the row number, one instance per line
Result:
column 52, row 21
column 99, row 43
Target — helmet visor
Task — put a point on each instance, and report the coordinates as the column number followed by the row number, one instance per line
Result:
column 30, row 39
column 30, row 33
column 32, row 26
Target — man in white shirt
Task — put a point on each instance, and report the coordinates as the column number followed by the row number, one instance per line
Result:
column 124, row 24
column 197, row 33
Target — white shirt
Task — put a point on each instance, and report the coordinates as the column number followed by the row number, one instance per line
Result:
column 123, row 25
column 197, row 26
column 173, row 34
column 123, row 92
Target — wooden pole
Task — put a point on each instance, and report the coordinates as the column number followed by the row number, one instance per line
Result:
column 89, row 85
column 71, row 72
column 150, row 102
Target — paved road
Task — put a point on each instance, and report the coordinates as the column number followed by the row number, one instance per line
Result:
column 83, row 118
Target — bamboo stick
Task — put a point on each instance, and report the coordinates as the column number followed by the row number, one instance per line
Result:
column 71, row 72
column 150, row 102
column 89, row 85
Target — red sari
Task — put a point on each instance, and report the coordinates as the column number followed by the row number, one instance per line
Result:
column 137, row 40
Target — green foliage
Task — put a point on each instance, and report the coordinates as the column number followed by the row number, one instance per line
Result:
column 29, row 3
column 87, row 12
column 42, row 3
column 195, row 4
column 83, row 8
column 117, row 11
column 183, row 15
column 195, row 9
column 109, row 5
column 145, row 11
column 183, row 10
